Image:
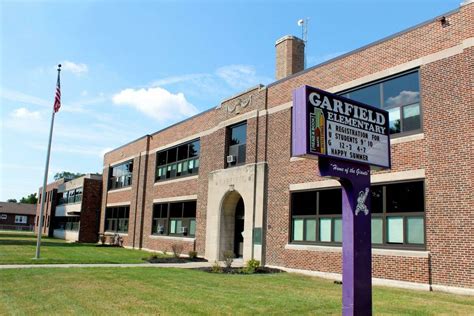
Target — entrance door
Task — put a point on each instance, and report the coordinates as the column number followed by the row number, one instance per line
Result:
column 239, row 229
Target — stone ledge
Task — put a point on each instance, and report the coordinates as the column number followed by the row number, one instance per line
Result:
column 165, row 182
column 176, row 238
column 375, row 251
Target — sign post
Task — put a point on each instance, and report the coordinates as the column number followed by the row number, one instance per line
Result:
column 348, row 138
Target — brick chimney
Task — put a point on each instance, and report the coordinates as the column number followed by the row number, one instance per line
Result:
column 289, row 56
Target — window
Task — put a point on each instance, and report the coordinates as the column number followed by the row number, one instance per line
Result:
column 177, row 218
column 399, row 95
column 316, row 216
column 121, row 175
column 71, row 196
column 179, row 161
column 398, row 216
column 20, row 219
column 3, row 217
column 237, row 144
column 116, row 219
column 67, row 223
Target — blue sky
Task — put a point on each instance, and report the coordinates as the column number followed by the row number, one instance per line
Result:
column 133, row 67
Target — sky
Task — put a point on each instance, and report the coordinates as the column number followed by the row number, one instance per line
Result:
column 130, row 68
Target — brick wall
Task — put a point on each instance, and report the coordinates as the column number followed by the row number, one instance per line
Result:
column 49, row 207
column 90, row 210
column 446, row 142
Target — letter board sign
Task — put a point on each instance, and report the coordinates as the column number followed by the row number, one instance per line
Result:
column 325, row 124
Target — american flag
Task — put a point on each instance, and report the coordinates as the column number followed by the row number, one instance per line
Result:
column 57, row 98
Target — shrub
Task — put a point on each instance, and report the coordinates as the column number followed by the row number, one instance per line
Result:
column 192, row 254
column 251, row 266
column 228, row 259
column 177, row 250
column 216, row 267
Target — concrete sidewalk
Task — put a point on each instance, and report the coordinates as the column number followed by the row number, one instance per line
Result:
column 187, row 265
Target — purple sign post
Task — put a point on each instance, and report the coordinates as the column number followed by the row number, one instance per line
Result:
column 348, row 138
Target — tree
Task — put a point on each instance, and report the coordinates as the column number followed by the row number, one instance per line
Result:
column 67, row 175
column 30, row 199
column 12, row 201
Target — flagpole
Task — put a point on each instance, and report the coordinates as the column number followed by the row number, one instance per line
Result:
column 45, row 181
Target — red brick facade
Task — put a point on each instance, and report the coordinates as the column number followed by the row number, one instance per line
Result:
column 442, row 151
column 87, row 210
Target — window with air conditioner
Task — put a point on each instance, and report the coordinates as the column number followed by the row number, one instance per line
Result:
column 176, row 218
column 236, row 152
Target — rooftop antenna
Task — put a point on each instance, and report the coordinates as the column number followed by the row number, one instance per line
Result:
column 304, row 35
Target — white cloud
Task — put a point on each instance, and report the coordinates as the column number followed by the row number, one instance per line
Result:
column 20, row 97
column 24, row 113
column 404, row 97
column 240, row 76
column 156, row 102
column 178, row 79
column 75, row 68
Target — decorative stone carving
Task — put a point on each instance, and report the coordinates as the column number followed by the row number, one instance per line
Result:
column 240, row 104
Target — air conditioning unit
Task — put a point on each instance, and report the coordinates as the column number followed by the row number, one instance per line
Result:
column 230, row 159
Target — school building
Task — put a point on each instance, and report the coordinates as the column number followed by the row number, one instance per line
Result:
column 72, row 208
column 17, row 216
column 225, row 179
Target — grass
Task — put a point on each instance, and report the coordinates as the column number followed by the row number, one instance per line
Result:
column 20, row 248
column 180, row 291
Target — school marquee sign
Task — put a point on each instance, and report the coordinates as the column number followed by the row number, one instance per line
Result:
column 336, row 127
column 348, row 138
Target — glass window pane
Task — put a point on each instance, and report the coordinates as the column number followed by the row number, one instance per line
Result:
column 395, row 230
column 194, row 149
column 376, row 201
column 303, row 203
column 173, row 226
column 411, row 117
column 394, row 120
column 192, row 227
column 176, row 209
column 190, row 165
column 369, row 95
column 415, row 230
column 164, row 211
column 325, row 229
column 405, row 197
column 183, row 152
column 377, row 230
column 129, row 167
column 310, row 230
column 172, row 155
column 298, row 229
column 330, row 201
column 401, row 90
column 179, row 225
column 238, row 134
column 189, row 209
column 162, row 158
column 338, row 229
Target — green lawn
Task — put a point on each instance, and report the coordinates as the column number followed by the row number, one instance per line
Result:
column 20, row 248
column 169, row 291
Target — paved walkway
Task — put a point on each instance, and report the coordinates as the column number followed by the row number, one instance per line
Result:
column 188, row 265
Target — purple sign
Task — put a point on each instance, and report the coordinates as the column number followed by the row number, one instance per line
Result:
column 348, row 137
column 325, row 124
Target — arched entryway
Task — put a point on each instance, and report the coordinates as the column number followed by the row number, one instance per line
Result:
column 232, row 225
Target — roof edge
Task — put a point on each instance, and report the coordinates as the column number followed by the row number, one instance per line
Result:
column 383, row 39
